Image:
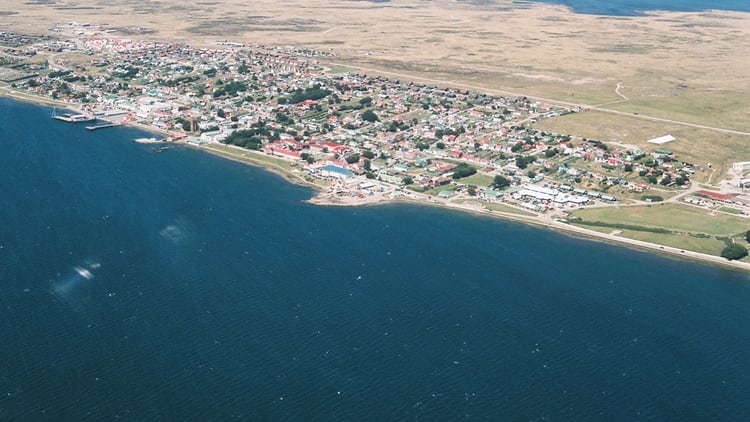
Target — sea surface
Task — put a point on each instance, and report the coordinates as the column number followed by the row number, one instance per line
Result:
column 182, row 286
column 638, row 7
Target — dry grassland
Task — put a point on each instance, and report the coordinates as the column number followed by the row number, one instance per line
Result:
column 699, row 146
column 688, row 67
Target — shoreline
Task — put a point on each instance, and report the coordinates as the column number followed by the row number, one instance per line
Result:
column 8, row 92
column 419, row 199
column 563, row 228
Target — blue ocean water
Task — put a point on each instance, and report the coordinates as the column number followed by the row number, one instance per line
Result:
column 638, row 7
column 181, row 286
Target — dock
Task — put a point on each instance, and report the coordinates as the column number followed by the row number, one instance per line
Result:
column 74, row 118
column 103, row 126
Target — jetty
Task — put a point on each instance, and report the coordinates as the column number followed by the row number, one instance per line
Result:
column 103, row 126
column 74, row 118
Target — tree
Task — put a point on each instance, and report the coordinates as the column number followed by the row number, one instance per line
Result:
column 440, row 145
column 747, row 236
column 352, row 158
column 307, row 157
column 734, row 251
column 368, row 154
column 407, row 180
column 500, row 182
column 367, row 165
column 463, row 170
column 472, row 191
column 370, row 116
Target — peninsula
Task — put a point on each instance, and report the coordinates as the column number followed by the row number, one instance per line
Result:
column 364, row 135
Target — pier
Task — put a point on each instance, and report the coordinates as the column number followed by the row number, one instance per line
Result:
column 103, row 126
column 74, row 118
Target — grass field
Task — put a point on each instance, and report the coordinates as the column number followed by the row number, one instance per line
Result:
column 477, row 179
column 729, row 210
column 707, row 245
column 250, row 156
column 711, row 246
column 506, row 208
column 672, row 217
column 279, row 166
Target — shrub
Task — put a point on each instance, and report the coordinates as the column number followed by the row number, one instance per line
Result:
column 734, row 251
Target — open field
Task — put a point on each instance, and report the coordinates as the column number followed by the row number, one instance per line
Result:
column 672, row 217
column 711, row 246
column 249, row 156
column 707, row 245
column 507, row 209
column 698, row 146
column 276, row 165
column 477, row 179
column 691, row 63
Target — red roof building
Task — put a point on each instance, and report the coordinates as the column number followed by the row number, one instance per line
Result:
column 716, row 195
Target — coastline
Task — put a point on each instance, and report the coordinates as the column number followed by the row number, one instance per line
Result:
column 414, row 198
column 248, row 159
column 564, row 228
column 8, row 92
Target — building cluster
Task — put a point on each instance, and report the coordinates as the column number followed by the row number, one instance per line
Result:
column 283, row 102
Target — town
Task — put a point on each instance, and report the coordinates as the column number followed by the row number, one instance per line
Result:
column 361, row 138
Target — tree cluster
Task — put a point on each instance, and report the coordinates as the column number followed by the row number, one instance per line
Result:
column 230, row 89
column 523, row 161
column 370, row 116
column 500, row 182
column 248, row 138
column 463, row 170
column 300, row 95
column 734, row 252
